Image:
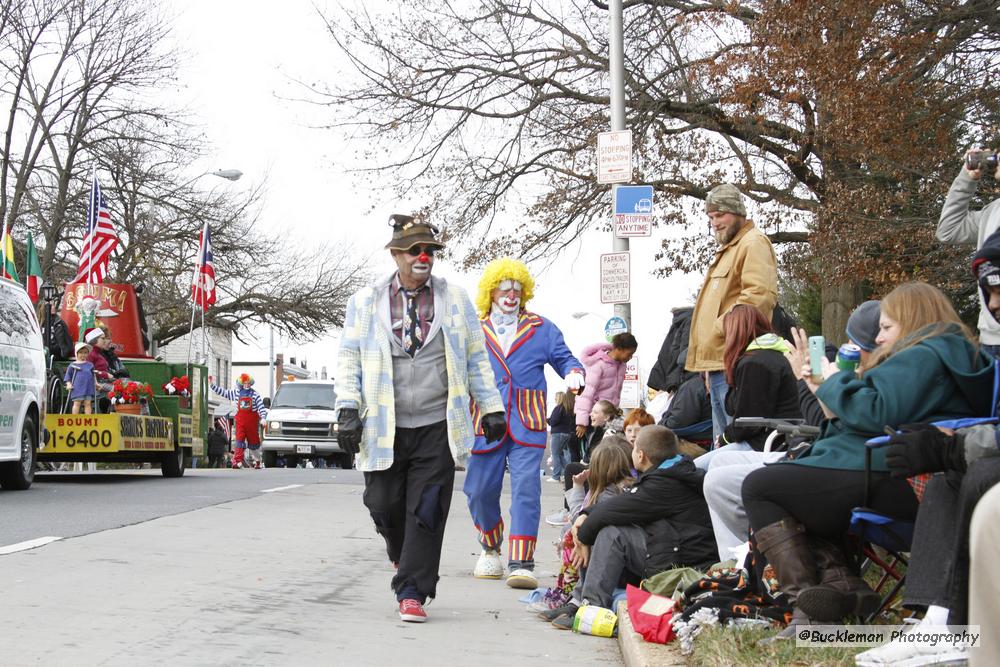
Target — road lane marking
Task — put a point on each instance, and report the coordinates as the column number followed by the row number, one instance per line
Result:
column 29, row 544
column 281, row 488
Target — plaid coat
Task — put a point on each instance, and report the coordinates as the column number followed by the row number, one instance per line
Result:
column 364, row 369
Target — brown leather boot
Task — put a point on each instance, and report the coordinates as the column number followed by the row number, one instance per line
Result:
column 786, row 548
column 840, row 592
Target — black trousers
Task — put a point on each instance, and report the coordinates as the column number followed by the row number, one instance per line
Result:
column 409, row 504
column 938, row 573
column 821, row 499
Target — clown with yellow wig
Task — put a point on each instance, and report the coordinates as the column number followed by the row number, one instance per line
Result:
column 520, row 344
column 250, row 412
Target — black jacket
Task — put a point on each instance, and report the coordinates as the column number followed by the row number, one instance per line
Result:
column 217, row 443
column 690, row 413
column 115, row 365
column 763, row 386
column 668, row 372
column 669, row 505
column 62, row 342
column 561, row 421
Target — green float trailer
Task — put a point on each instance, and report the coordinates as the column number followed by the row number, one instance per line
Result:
column 172, row 432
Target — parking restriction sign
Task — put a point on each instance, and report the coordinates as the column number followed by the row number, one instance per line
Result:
column 615, row 277
column 614, row 156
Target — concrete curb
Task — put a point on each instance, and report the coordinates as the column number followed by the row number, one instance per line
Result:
column 637, row 652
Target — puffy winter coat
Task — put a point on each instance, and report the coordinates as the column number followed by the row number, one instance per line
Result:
column 605, row 377
column 669, row 505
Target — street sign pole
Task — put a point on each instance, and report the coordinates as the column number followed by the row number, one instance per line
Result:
column 617, row 71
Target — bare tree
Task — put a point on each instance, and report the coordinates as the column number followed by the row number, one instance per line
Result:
column 79, row 80
column 842, row 119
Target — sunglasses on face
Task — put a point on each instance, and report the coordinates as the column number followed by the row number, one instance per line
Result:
column 416, row 250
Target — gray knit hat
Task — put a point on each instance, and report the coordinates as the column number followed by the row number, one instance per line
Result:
column 862, row 325
column 725, row 198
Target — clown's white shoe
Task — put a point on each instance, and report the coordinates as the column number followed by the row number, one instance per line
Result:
column 489, row 565
column 522, row 578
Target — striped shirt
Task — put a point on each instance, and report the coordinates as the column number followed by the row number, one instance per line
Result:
column 397, row 308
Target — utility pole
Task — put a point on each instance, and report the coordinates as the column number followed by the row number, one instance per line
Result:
column 616, row 65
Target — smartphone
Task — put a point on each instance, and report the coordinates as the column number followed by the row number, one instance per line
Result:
column 817, row 351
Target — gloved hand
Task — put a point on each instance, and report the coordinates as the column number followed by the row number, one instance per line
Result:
column 574, row 381
column 494, row 426
column 923, row 448
column 349, row 429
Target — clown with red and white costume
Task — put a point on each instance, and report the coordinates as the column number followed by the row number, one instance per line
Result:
column 520, row 344
column 250, row 412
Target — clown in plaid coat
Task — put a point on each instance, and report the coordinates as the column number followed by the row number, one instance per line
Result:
column 520, row 344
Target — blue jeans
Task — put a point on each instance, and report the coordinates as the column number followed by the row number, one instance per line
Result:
column 559, row 444
column 718, row 388
column 992, row 350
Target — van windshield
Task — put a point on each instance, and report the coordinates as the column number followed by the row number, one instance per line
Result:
column 300, row 395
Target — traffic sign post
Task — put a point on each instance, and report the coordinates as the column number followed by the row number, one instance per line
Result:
column 614, row 326
column 615, row 278
column 614, row 157
column 630, row 396
column 633, row 210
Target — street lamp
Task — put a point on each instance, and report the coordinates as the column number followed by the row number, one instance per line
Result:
column 228, row 174
column 48, row 295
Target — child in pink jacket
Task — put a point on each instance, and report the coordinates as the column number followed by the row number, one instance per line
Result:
column 604, row 365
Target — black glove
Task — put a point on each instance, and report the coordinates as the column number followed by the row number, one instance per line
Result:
column 349, row 429
column 121, row 373
column 494, row 426
column 923, row 448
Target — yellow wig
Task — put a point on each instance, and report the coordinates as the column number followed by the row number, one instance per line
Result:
column 495, row 273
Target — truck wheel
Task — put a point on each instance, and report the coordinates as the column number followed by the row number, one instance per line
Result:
column 172, row 463
column 270, row 459
column 347, row 461
column 18, row 475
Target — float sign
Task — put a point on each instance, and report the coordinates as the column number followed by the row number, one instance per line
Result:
column 633, row 206
column 615, row 277
column 614, row 156
column 615, row 326
column 630, row 388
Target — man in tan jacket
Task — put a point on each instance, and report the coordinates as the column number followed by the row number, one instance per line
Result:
column 744, row 270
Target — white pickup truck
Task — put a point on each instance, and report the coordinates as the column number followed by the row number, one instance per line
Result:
column 301, row 423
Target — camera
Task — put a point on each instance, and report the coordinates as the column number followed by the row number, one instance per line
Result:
column 985, row 161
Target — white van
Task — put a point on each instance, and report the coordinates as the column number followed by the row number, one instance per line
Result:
column 301, row 424
column 22, row 386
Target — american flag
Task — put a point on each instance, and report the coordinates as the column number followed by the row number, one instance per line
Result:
column 227, row 428
column 99, row 241
column 203, row 286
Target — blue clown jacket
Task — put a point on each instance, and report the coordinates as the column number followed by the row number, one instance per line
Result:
column 520, row 376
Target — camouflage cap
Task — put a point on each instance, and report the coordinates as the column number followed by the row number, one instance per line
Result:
column 725, row 198
column 408, row 231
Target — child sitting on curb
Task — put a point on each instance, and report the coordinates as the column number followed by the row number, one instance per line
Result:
column 658, row 523
column 610, row 472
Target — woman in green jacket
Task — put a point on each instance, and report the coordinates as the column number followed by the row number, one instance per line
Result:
column 927, row 367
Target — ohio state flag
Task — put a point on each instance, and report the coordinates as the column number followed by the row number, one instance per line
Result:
column 203, row 286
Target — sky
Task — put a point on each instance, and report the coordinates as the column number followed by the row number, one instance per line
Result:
column 242, row 61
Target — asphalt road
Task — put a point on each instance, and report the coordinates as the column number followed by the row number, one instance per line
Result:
column 67, row 504
column 247, row 568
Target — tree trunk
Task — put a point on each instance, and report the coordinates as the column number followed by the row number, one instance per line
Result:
column 838, row 302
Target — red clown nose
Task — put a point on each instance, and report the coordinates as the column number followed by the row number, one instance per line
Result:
column 423, row 258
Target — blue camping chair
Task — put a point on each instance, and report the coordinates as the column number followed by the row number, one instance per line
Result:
column 892, row 535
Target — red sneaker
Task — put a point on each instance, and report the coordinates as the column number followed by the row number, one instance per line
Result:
column 412, row 611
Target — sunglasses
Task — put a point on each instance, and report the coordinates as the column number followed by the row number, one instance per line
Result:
column 416, row 250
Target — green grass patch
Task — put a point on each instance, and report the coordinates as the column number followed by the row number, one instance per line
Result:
column 725, row 647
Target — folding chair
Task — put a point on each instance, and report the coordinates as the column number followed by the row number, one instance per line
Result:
column 874, row 528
